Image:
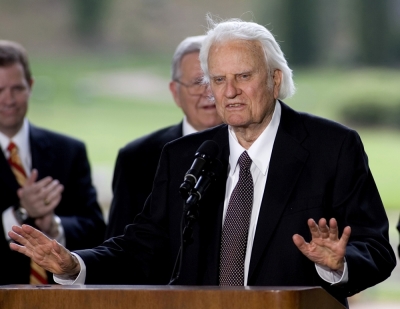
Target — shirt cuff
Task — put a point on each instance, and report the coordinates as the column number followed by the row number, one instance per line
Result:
column 335, row 277
column 67, row 280
column 9, row 220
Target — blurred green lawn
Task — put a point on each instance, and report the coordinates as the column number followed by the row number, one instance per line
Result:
column 61, row 102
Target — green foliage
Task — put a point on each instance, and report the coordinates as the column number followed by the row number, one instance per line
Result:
column 89, row 17
column 371, row 114
column 341, row 33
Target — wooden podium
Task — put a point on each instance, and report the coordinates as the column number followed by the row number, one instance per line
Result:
column 163, row 297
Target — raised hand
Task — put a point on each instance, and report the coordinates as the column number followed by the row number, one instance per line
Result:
column 325, row 247
column 45, row 252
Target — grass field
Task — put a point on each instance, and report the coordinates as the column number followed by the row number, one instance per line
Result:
column 107, row 103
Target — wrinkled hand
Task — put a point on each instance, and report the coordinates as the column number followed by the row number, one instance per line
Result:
column 325, row 247
column 45, row 252
column 42, row 197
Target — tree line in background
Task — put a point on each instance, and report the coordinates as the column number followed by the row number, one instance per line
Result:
column 358, row 32
column 311, row 32
column 341, row 32
column 88, row 19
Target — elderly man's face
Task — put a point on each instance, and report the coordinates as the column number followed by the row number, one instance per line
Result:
column 200, row 112
column 239, row 82
column 14, row 95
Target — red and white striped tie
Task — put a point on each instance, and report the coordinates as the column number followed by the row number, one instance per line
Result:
column 38, row 275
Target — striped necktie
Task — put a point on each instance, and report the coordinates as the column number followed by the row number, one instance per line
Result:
column 15, row 163
column 37, row 275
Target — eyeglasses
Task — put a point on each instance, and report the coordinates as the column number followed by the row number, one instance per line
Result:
column 196, row 88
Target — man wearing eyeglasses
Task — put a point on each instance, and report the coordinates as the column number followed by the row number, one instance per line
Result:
column 140, row 157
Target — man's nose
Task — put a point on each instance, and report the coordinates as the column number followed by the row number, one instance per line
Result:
column 207, row 91
column 7, row 97
column 231, row 89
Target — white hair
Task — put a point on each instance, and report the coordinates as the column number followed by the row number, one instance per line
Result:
column 189, row 45
column 234, row 29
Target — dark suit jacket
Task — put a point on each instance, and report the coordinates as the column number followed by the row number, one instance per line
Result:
column 133, row 176
column 318, row 169
column 398, row 228
column 65, row 159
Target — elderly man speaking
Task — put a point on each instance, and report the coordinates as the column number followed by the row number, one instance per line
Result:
column 294, row 205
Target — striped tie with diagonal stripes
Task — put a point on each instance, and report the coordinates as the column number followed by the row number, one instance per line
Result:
column 38, row 274
column 15, row 163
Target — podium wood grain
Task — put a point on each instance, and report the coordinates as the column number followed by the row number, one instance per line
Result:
column 163, row 297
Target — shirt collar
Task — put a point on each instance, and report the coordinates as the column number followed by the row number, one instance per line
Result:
column 187, row 128
column 260, row 149
column 21, row 139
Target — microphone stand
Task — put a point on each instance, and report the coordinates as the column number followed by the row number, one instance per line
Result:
column 190, row 215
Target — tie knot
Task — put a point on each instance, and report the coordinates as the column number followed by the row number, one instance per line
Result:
column 12, row 147
column 244, row 161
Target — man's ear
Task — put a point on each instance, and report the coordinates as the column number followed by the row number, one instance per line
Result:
column 173, row 87
column 277, row 77
column 30, row 83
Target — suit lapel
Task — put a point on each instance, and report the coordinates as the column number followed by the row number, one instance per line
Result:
column 42, row 156
column 6, row 174
column 172, row 133
column 42, row 159
column 287, row 160
column 215, row 202
column 176, row 131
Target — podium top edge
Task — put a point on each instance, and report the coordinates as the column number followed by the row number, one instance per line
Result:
column 158, row 287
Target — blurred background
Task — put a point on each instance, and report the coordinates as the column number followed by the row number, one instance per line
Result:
column 102, row 68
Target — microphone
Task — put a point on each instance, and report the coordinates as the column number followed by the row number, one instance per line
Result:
column 204, row 155
column 198, row 178
column 209, row 175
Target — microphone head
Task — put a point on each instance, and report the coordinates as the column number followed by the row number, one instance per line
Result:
column 205, row 154
column 208, row 149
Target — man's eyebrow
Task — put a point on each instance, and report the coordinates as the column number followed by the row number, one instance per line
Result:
column 246, row 72
column 239, row 73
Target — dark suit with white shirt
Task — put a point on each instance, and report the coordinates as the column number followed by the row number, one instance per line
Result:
column 318, row 169
column 65, row 159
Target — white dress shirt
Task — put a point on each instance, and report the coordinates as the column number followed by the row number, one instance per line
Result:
column 187, row 128
column 21, row 140
column 260, row 153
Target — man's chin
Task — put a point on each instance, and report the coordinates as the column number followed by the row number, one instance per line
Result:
column 10, row 125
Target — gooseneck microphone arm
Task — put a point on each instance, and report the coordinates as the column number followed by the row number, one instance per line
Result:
column 209, row 172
